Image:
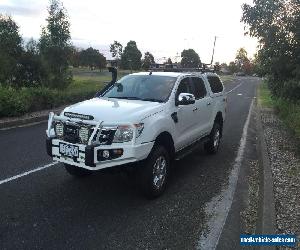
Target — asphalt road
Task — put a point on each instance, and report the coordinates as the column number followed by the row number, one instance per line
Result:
column 50, row 209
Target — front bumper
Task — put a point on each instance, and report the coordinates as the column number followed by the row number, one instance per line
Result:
column 89, row 154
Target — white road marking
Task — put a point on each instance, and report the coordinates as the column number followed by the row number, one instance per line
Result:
column 234, row 88
column 27, row 173
column 24, row 125
column 239, row 94
column 218, row 208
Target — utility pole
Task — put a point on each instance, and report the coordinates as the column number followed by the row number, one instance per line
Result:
column 212, row 57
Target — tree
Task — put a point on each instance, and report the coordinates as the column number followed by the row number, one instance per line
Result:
column 147, row 61
column 224, row 66
column 75, row 56
column 116, row 49
column 55, row 46
column 131, row 56
column 10, row 50
column 92, row 58
column 190, row 59
column 233, row 68
column 30, row 70
column 241, row 59
column 217, row 67
column 169, row 61
column 276, row 26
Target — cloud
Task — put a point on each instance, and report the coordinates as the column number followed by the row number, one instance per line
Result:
column 26, row 8
column 19, row 10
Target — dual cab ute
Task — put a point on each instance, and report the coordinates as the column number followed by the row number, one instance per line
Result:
column 142, row 122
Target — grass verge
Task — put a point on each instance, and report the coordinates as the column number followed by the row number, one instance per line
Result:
column 25, row 100
column 288, row 112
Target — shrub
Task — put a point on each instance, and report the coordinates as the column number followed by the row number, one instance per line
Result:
column 18, row 102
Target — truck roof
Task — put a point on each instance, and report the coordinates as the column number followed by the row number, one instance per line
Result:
column 175, row 74
column 172, row 74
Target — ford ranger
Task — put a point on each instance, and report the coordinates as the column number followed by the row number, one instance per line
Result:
column 145, row 121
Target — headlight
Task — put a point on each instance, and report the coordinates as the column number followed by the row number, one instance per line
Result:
column 84, row 134
column 123, row 134
column 59, row 129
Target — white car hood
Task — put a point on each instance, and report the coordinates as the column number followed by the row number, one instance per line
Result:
column 112, row 110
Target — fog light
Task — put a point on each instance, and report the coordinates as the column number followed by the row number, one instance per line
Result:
column 59, row 129
column 84, row 134
column 105, row 154
column 109, row 154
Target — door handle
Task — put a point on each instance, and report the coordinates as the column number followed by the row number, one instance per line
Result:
column 208, row 103
column 195, row 109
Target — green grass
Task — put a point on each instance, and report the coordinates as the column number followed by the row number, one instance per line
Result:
column 94, row 80
column 265, row 99
column 289, row 112
column 91, row 81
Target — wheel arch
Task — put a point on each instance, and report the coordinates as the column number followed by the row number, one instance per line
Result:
column 165, row 139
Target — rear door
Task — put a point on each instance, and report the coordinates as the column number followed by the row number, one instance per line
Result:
column 217, row 93
column 203, row 110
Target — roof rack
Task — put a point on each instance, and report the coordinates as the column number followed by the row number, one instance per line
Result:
column 203, row 69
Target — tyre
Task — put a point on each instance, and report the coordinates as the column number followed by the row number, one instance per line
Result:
column 77, row 171
column 213, row 143
column 154, row 171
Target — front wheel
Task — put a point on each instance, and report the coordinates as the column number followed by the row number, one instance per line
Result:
column 213, row 143
column 77, row 171
column 154, row 172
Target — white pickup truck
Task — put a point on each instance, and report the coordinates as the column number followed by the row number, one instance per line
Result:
column 142, row 122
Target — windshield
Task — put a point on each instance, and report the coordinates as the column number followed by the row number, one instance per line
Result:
column 142, row 87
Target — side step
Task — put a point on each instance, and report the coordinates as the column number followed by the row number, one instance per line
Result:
column 189, row 149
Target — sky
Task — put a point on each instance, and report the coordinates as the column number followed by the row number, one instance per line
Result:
column 162, row 27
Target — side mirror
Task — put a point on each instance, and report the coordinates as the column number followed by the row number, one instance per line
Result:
column 185, row 99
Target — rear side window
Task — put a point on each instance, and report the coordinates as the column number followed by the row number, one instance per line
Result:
column 199, row 87
column 215, row 84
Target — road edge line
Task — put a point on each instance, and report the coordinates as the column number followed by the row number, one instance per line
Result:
column 209, row 242
column 21, row 122
column 228, row 92
column 27, row 173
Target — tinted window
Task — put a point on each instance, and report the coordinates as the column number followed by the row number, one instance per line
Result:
column 215, row 84
column 183, row 86
column 199, row 87
column 142, row 87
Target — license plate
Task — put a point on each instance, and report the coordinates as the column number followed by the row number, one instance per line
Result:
column 68, row 150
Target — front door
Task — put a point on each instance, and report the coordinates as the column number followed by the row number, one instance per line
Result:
column 186, row 125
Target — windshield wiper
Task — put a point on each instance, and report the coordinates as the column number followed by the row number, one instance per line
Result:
column 126, row 97
column 151, row 100
column 136, row 98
